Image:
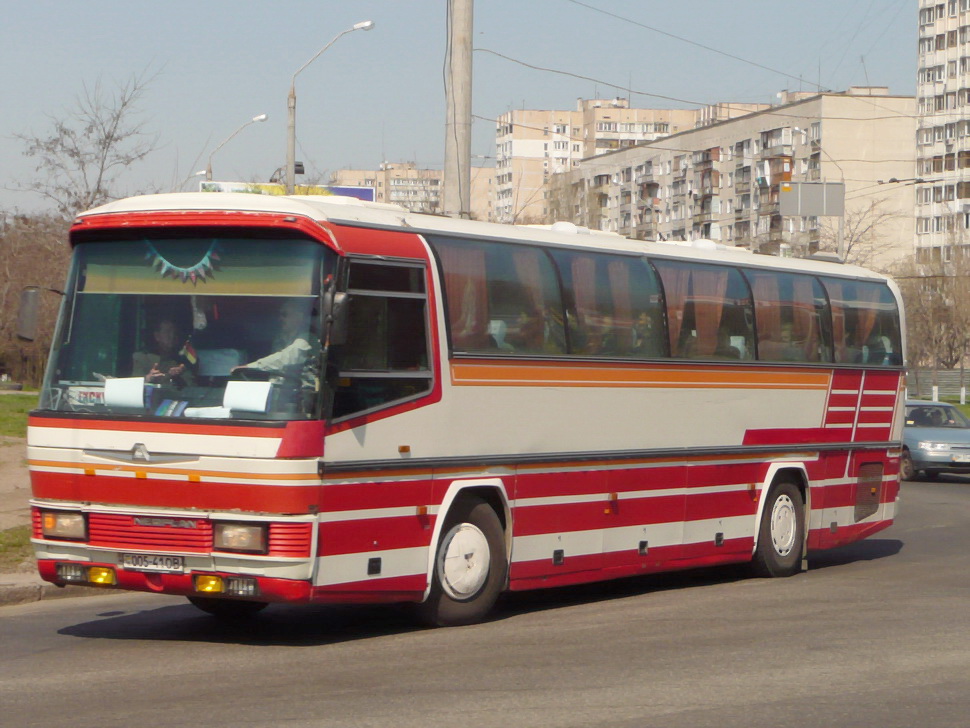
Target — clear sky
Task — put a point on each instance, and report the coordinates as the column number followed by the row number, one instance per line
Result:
column 379, row 95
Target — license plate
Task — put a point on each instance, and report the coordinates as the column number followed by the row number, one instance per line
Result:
column 152, row 562
column 960, row 458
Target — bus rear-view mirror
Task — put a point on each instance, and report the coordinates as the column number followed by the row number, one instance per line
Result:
column 28, row 314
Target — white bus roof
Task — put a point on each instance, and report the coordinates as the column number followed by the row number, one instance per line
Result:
column 351, row 211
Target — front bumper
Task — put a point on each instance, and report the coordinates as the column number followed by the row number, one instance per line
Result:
column 944, row 461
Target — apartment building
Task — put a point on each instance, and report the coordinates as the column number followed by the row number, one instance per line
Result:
column 943, row 140
column 723, row 180
column 415, row 189
column 532, row 145
column 399, row 183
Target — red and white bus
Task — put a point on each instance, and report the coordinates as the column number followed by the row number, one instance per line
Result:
column 467, row 408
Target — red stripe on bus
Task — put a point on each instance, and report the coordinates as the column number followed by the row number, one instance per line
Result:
column 375, row 590
column 882, row 381
column 595, row 515
column 870, row 399
column 175, row 494
column 374, row 534
column 839, row 418
column 843, row 400
column 362, row 496
column 880, row 418
column 793, row 436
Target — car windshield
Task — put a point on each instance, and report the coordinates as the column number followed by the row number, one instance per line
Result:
column 212, row 326
column 935, row 415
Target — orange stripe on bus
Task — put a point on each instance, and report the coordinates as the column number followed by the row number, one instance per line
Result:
column 105, row 469
column 595, row 376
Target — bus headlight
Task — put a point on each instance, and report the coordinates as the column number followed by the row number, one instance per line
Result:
column 937, row 446
column 63, row 524
column 247, row 537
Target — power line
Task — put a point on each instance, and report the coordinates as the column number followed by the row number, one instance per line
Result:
column 738, row 58
column 691, row 42
column 689, row 102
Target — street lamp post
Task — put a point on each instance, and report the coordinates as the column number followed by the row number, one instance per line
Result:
column 208, row 167
column 291, row 107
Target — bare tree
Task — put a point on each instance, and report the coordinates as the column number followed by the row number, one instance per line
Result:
column 865, row 231
column 936, row 296
column 79, row 162
column 33, row 251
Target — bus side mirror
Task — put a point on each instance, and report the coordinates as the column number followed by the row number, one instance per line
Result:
column 27, row 316
column 339, row 317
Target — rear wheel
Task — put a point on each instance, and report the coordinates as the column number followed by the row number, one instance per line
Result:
column 470, row 566
column 906, row 469
column 781, row 537
column 227, row 608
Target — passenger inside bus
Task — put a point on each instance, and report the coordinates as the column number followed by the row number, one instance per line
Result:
column 164, row 363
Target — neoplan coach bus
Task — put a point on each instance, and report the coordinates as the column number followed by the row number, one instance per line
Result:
column 465, row 408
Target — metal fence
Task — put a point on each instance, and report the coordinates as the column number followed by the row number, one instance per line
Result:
column 919, row 384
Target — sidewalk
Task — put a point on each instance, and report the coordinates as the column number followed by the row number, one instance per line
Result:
column 25, row 584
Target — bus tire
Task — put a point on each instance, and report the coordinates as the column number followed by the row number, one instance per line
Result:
column 781, row 537
column 906, row 469
column 470, row 566
column 227, row 608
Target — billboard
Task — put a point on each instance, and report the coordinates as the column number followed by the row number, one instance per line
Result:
column 270, row 188
column 822, row 199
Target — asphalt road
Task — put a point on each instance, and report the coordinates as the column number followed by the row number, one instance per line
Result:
column 875, row 634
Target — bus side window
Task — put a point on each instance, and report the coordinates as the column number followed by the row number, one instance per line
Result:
column 709, row 311
column 501, row 299
column 385, row 358
column 864, row 323
column 612, row 304
column 789, row 313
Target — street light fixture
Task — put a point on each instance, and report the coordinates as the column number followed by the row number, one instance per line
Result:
column 208, row 167
column 291, row 106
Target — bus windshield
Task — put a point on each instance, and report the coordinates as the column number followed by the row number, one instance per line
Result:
column 191, row 325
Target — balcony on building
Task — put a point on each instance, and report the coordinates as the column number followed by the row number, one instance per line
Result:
column 704, row 216
column 704, row 159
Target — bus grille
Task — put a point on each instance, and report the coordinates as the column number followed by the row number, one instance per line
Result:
column 148, row 533
column 187, row 535
column 290, row 539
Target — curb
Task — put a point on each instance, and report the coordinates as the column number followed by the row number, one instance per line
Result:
column 28, row 588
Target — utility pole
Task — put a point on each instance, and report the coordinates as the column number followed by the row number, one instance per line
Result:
column 458, row 110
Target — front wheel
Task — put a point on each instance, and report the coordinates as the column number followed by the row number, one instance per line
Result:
column 227, row 608
column 781, row 537
column 906, row 469
column 470, row 566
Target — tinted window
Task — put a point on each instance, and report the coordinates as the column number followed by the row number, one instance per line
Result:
column 502, row 299
column 612, row 305
column 791, row 317
column 709, row 311
column 865, row 322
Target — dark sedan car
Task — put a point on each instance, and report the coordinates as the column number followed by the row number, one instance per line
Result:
column 936, row 439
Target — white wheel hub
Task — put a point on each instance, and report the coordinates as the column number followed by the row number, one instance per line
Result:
column 464, row 561
column 784, row 527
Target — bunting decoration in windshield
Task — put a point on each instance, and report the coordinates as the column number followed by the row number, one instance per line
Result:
column 201, row 270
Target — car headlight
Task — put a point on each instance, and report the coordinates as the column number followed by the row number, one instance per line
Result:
column 246, row 537
column 934, row 446
column 63, row 524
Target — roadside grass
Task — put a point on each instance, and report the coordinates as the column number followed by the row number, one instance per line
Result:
column 15, row 548
column 13, row 413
